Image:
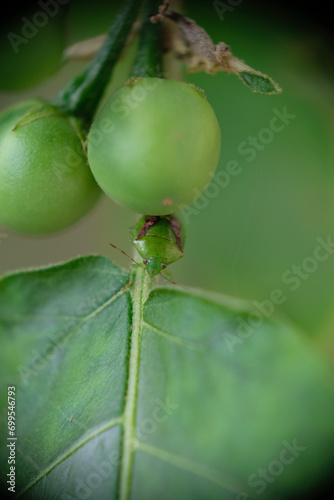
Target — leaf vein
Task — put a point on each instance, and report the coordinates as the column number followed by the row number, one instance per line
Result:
column 196, row 468
column 139, row 294
column 178, row 340
column 93, row 434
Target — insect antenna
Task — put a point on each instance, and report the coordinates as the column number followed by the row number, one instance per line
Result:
column 126, row 255
column 163, row 276
column 174, row 283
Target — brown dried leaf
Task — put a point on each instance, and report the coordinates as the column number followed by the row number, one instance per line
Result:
column 161, row 12
column 193, row 44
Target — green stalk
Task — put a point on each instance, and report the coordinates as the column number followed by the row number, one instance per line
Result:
column 80, row 97
column 140, row 290
column 148, row 61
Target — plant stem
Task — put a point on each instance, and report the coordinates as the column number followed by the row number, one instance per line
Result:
column 148, row 60
column 140, row 289
column 81, row 95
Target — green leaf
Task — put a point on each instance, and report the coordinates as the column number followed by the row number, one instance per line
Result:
column 259, row 82
column 126, row 392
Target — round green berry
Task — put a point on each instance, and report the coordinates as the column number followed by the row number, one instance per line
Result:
column 155, row 145
column 45, row 182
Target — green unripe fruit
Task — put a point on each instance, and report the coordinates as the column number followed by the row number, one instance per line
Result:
column 45, row 182
column 154, row 146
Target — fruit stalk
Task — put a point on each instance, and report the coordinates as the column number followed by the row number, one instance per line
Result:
column 81, row 96
column 148, row 57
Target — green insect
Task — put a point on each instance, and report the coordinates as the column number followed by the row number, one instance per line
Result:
column 159, row 241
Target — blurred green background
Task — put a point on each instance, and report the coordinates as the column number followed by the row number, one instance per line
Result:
column 245, row 239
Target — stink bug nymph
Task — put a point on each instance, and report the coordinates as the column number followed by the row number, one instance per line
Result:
column 159, row 241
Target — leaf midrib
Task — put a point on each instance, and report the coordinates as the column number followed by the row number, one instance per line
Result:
column 139, row 294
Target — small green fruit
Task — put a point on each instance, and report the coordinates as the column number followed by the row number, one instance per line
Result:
column 154, row 146
column 45, row 182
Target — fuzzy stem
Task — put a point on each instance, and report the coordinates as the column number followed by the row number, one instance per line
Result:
column 82, row 94
column 140, row 289
column 148, row 60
